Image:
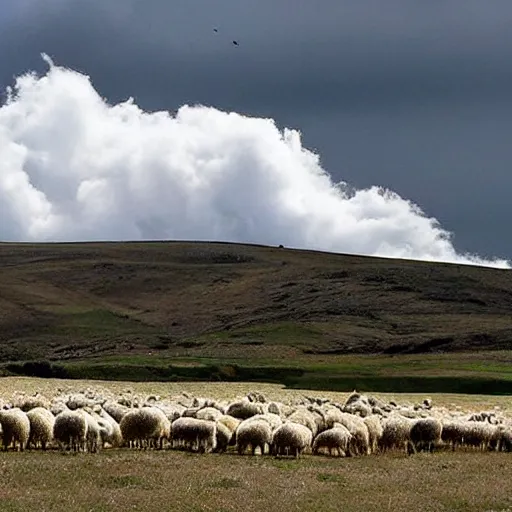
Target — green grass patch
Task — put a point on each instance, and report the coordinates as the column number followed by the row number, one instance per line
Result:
column 442, row 373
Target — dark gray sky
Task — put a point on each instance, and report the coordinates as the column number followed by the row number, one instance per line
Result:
column 412, row 95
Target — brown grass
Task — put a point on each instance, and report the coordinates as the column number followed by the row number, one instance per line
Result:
column 126, row 480
column 230, row 300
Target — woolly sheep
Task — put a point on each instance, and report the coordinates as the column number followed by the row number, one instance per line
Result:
column 15, row 428
column 194, row 434
column 145, row 427
column 375, row 431
column 244, row 409
column 70, row 430
column 303, row 416
column 116, row 410
column 93, row 433
column 360, row 434
column 254, row 434
column 223, row 437
column 41, row 427
column 425, row 434
column 396, row 433
column 272, row 419
column 291, row 438
column 229, row 421
column 337, row 439
column 208, row 413
column 32, row 402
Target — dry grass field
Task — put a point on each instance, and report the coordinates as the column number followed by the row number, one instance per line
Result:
column 123, row 479
column 119, row 480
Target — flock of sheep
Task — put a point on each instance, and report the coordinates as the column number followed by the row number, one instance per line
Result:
column 89, row 421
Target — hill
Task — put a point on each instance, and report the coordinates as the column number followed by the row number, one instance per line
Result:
column 171, row 300
column 69, row 300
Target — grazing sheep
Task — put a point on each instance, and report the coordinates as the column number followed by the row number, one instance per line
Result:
column 337, row 439
column 360, row 434
column 230, row 422
column 194, row 434
column 244, row 409
column 452, row 433
column 396, row 433
column 15, row 428
column 145, row 427
column 115, row 438
column 291, row 438
column 254, row 434
column 70, row 430
column 32, row 402
column 425, row 434
column 116, row 410
column 223, row 437
column 208, row 413
column 375, row 431
column 93, row 435
column 303, row 416
column 272, row 419
column 41, row 427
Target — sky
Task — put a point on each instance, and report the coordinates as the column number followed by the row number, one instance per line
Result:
column 412, row 96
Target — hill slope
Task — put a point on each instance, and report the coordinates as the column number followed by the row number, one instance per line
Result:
column 64, row 301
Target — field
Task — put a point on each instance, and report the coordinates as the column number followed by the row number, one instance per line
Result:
column 216, row 311
column 123, row 479
column 220, row 320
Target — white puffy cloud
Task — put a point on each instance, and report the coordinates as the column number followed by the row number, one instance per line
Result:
column 73, row 167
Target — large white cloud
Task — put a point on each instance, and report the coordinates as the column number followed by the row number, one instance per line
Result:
column 73, row 167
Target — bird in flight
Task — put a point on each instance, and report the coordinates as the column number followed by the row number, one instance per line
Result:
column 235, row 42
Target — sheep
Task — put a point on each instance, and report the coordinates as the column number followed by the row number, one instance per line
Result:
column 337, row 439
column 229, row 421
column 425, row 433
column 452, row 433
column 304, row 417
column 272, row 419
column 15, row 428
column 115, row 438
column 244, row 409
column 253, row 433
column 223, row 437
column 396, row 433
column 116, row 410
column 145, row 427
column 375, row 431
column 360, row 434
column 32, row 402
column 70, row 429
column 93, row 435
column 41, row 427
column 208, row 413
column 291, row 437
column 194, row 434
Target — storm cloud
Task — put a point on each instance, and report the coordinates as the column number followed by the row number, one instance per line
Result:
column 407, row 95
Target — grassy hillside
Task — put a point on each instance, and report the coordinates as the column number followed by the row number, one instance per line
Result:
column 174, row 301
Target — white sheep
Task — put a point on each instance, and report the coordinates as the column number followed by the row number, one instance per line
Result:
column 70, row 430
column 337, row 439
column 254, row 434
column 41, row 427
column 291, row 438
column 15, row 428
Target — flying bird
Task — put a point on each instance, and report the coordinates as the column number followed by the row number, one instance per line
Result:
column 215, row 30
column 235, row 43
